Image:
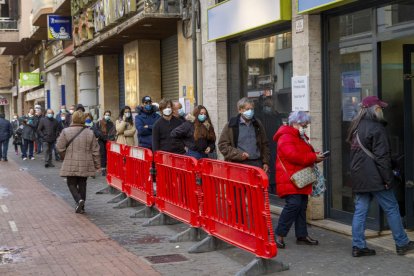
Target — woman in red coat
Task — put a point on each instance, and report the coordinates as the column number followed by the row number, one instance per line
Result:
column 294, row 153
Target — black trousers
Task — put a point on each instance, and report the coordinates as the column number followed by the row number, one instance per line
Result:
column 293, row 212
column 77, row 187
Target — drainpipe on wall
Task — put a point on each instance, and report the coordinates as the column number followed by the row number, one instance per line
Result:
column 194, row 39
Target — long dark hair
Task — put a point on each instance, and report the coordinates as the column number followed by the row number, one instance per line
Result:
column 364, row 113
column 200, row 130
column 122, row 112
column 103, row 122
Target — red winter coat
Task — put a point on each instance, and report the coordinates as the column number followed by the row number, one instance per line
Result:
column 295, row 154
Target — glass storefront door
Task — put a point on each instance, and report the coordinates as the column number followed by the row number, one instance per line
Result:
column 261, row 68
column 371, row 59
column 408, row 70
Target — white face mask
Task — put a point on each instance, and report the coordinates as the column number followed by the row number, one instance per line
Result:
column 71, row 111
column 167, row 111
column 302, row 131
column 15, row 117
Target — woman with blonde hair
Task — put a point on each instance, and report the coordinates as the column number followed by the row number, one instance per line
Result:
column 125, row 127
column 80, row 149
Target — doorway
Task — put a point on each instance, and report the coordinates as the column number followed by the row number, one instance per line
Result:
column 396, row 83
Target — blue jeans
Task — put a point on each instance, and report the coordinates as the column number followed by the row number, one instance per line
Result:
column 4, row 147
column 293, row 212
column 27, row 145
column 197, row 155
column 389, row 204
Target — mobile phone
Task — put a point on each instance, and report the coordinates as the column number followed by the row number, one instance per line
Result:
column 326, row 153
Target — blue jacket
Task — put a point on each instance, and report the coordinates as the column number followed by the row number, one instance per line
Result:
column 6, row 130
column 145, row 133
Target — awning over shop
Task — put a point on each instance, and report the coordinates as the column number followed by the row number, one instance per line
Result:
column 36, row 94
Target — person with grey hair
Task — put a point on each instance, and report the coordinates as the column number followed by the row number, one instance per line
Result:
column 372, row 176
column 48, row 130
column 243, row 139
column 294, row 153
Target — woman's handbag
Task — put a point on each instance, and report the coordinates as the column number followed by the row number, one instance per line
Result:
column 303, row 177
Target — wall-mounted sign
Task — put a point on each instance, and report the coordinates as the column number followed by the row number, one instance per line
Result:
column 306, row 6
column 233, row 17
column 29, row 79
column 300, row 93
column 4, row 101
column 59, row 27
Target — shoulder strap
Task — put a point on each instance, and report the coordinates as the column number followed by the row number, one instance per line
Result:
column 74, row 137
column 370, row 154
column 281, row 163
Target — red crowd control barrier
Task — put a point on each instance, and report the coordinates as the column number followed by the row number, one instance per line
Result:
column 177, row 191
column 236, row 206
column 115, row 171
column 138, row 182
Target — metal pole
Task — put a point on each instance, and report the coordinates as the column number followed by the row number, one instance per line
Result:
column 194, row 38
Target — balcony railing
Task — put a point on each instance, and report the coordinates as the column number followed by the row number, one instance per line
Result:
column 160, row 6
column 8, row 24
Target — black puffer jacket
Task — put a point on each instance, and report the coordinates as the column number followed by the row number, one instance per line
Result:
column 367, row 174
column 48, row 129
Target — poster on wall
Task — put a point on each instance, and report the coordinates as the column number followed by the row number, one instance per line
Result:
column 351, row 94
column 300, row 93
column 59, row 27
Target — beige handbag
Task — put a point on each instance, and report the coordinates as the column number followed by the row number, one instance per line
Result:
column 302, row 178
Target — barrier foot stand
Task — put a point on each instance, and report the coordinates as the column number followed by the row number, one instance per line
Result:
column 107, row 190
column 146, row 212
column 208, row 244
column 260, row 266
column 118, row 198
column 190, row 234
column 127, row 202
column 160, row 219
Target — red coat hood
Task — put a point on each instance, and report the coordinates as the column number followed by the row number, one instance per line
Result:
column 286, row 130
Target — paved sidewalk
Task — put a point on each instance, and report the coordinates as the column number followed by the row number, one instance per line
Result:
column 331, row 257
column 48, row 238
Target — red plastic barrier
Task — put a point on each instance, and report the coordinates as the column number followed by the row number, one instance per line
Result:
column 138, row 182
column 115, row 169
column 236, row 206
column 177, row 191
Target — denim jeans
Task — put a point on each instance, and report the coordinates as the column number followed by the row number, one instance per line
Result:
column 197, row 155
column 27, row 145
column 389, row 204
column 293, row 212
column 4, row 147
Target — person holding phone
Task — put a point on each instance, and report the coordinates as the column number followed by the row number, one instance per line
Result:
column 125, row 128
column 294, row 153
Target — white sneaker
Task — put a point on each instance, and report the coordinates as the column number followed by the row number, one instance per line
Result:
column 32, row 158
column 25, row 158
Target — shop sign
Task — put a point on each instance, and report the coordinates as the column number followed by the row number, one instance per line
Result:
column 59, row 27
column 306, row 6
column 235, row 17
column 4, row 101
column 300, row 93
column 107, row 12
column 29, row 79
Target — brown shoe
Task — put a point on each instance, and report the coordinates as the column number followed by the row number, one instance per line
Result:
column 306, row 241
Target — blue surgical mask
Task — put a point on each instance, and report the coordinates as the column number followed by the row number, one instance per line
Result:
column 49, row 115
column 148, row 107
column 248, row 114
column 88, row 121
column 202, row 117
column 181, row 112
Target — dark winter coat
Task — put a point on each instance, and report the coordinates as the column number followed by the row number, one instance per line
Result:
column 145, row 133
column 229, row 138
column 48, row 129
column 367, row 174
column 295, row 154
column 65, row 123
column 6, row 130
column 185, row 132
column 161, row 136
column 17, row 132
column 30, row 128
column 99, row 133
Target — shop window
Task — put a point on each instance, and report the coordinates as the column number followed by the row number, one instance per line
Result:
column 394, row 15
column 350, row 25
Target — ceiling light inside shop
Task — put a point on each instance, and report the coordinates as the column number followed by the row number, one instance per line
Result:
column 147, row 25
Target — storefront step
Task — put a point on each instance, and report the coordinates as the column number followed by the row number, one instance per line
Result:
column 330, row 225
